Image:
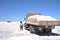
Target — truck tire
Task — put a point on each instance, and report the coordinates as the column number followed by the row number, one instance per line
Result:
column 49, row 30
column 46, row 30
column 32, row 30
column 43, row 30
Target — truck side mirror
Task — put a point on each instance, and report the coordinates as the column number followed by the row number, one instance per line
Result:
column 24, row 18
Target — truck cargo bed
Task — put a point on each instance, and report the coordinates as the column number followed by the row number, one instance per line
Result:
column 41, row 20
column 45, row 23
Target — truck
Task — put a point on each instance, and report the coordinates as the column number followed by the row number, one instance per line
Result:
column 35, row 22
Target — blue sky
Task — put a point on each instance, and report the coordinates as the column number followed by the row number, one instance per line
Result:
column 16, row 10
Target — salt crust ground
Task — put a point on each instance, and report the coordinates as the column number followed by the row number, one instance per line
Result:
column 10, row 31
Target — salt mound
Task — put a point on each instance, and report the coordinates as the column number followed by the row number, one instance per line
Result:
column 43, row 18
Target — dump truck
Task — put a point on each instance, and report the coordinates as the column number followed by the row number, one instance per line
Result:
column 36, row 22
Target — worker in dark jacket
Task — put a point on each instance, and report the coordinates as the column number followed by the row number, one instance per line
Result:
column 21, row 25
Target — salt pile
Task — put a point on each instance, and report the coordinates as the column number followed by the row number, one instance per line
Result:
column 43, row 18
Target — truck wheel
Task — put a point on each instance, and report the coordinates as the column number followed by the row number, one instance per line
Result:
column 49, row 30
column 43, row 30
column 46, row 30
column 32, row 30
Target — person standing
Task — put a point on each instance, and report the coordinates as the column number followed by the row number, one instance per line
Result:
column 21, row 25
